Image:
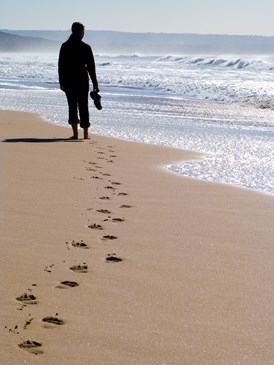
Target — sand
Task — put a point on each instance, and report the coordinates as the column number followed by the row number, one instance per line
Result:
column 180, row 271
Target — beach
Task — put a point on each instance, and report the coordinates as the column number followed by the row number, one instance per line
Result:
column 109, row 258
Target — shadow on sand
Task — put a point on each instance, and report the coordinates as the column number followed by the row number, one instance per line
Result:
column 40, row 140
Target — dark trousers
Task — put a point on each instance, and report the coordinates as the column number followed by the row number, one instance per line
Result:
column 77, row 97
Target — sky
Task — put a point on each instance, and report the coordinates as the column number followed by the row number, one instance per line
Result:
column 240, row 17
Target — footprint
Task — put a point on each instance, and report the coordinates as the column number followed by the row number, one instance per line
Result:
column 80, row 268
column 95, row 226
column 65, row 284
column 105, row 211
column 106, row 174
column 80, row 244
column 122, row 194
column 104, row 197
column 115, row 183
column 33, row 347
column 118, row 220
column 125, row 206
column 109, row 187
column 53, row 320
column 113, row 258
column 27, row 299
column 109, row 237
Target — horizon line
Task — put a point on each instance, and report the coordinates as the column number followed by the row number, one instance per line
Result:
column 145, row 32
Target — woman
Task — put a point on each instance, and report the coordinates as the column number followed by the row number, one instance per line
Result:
column 75, row 66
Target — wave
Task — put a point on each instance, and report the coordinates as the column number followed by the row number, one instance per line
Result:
column 220, row 79
column 249, row 63
column 255, row 63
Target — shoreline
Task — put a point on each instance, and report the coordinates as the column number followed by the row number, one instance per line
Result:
column 199, row 156
column 253, row 191
column 226, row 169
column 194, row 281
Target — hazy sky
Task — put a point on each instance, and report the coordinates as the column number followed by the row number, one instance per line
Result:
column 173, row 16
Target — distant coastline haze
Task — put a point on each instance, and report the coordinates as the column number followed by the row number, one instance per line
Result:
column 132, row 43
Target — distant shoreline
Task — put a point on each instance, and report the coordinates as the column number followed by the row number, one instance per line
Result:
column 114, row 41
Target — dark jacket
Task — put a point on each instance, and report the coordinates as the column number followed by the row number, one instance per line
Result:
column 76, row 62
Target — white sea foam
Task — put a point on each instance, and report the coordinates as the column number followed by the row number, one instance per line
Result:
column 222, row 106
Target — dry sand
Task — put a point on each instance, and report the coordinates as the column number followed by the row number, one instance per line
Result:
column 195, row 284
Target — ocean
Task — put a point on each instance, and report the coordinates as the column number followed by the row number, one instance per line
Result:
column 221, row 106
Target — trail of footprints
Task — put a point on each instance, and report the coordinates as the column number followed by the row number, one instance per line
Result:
column 28, row 299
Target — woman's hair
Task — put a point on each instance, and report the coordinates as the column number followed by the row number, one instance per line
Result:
column 77, row 28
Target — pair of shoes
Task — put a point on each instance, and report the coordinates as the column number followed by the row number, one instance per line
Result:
column 96, row 98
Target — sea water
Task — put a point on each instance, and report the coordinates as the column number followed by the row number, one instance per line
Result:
column 221, row 106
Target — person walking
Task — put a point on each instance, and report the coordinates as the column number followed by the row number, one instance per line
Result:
column 75, row 66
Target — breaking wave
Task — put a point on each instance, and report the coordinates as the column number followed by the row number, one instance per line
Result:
column 237, row 63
